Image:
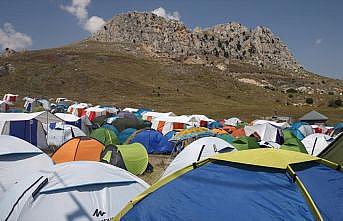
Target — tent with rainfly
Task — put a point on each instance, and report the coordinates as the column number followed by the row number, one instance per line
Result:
column 131, row 157
column 292, row 142
column 105, row 136
column 260, row 184
column 316, row 143
column 80, row 190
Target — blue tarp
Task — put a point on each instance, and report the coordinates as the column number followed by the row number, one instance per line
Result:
column 225, row 192
column 25, row 130
column 153, row 141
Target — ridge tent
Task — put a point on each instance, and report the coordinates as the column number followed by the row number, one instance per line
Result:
column 125, row 134
column 316, row 143
column 98, row 111
column 77, row 109
column 72, row 191
column 10, row 98
column 164, row 124
column 18, row 159
column 266, row 132
column 198, row 150
column 293, row 144
column 150, row 115
column 334, row 151
column 130, row 157
column 245, row 143
column 28, row 127
column 152, row 140
column 4, row 106
column 105, row 136
column 261, row 184
column 79, row 149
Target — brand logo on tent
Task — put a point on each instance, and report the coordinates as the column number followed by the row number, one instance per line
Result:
column 98, row 213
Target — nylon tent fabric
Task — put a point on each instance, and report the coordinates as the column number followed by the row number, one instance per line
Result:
column 153, row 141
column 219, row 131
column 125, row 134
column 301, row 130
column 135, row 157
column 260, row 182
column 245, row 143
column 112, row 128
column 293, row 144
column 334, row 151
column 105, row 136
column 198, row 150
column 79, row 149
column 316, row 143
column 238, row 133
column 226, row 137
column 123, row 123
column 72, row 191
column 265, row 132
column 18, row 159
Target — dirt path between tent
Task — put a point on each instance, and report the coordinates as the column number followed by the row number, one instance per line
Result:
column 160, row 163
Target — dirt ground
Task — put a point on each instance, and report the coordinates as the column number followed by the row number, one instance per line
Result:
column 160, row 163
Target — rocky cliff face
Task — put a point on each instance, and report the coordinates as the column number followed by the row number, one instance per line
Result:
column 171, row 39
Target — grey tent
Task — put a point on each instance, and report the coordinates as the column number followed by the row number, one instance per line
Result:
column 314, row 117
column 80, row 190
column 334, row 151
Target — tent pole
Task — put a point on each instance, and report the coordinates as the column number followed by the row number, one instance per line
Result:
column 202, row 149
column 314, row 145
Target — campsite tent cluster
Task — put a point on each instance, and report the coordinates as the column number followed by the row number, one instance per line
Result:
column 81, row 162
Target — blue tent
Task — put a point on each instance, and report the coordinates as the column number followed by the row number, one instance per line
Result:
column 214, row 124
column 112, row 128
column 295, row 129
column 276, row 185
column 125, row 134
column 153, row 141
column 170, row 134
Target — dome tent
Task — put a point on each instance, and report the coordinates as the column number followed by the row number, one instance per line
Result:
column 79, row 148
column 125, row 134
column 72, row 191
column 292, row 143
column 263, row 183
column 130, row 157
column 18, row 159
column 153, row 141
column 245, row 143
column 198, row 150
column 316, row 143
column 105, row 136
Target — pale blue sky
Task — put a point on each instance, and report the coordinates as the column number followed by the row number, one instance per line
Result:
column 311, row 28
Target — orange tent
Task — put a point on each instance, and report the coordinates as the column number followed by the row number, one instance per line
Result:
column 238, row 133
column 219, row 131
column 78, row 148
column 229, row 129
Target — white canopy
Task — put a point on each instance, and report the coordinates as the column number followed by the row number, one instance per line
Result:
column 42, row 116
column 79, row 190
column 316, row 143
column 190, row 154
column 267, row 131
column 67, row 117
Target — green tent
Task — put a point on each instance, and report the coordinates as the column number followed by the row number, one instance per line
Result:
column 131, row 157
column 105, row 136
column 293, row 144
column 334, row 151
column 287, row 134
column 227, row 137
column 245, row 143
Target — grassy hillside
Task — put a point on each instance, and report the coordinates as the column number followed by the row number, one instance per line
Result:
column 118, row 74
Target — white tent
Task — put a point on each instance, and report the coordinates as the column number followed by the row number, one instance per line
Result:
column 164, row 124
column 266, row 132
column 282, row 125
column 98, row 111
column 150, row 115
column 131, row 110
column 198, row 150
column 27, row 126
column 81, row 190
column 316, row 143
column 19, row 158
column 4, row 106
column 62, row 133
column 81, row 122
column 233, row 121
column 77, row 109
